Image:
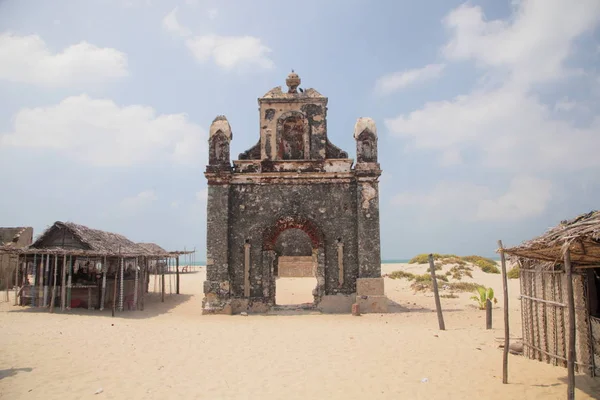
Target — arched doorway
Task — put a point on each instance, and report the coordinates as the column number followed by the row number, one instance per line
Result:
column 295, row 246
column 295, row 276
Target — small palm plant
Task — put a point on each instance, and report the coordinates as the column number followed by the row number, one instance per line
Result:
column 484, row 296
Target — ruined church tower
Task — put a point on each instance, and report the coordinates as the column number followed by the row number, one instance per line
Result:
column 296, row 194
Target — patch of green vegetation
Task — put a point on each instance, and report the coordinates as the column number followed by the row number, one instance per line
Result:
column 514, row 272
column 459, row 271
column 485, row 294
column 437, row 267
column 402, row 275
column 451, row 286
column 424, row 258
column 486, row 264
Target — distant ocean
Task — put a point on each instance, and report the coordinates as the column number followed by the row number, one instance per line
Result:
column 384, row 261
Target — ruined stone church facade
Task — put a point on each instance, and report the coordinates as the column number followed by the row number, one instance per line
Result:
column 293, row 193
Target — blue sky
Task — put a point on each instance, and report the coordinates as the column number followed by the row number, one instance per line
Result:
column 487, row 111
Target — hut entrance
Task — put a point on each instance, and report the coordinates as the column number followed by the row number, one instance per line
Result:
column 593, row 280
column 295, row 276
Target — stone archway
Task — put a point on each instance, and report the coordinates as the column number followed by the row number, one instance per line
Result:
column 272, row 252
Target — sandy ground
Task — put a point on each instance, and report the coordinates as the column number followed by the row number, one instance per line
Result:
column 171, row 351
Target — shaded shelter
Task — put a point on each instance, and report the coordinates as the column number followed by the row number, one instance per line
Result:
column 77, row 266
column 544, row 295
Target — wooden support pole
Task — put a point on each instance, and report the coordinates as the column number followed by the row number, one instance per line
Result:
column 121, row 284
column 145, row 277
column 103, row 295
column 135, row 284
column 114, row 297
column 45, row 281
column 63, row 285
column 438, row 304
column 69, row 282
column 571, row 327
column 506, row 327
column 34, row 280
column 53, row 294
column 177, row 269
column 162, row 283
column 17, row 280
column 488, row 314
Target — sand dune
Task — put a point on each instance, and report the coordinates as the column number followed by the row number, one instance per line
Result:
column 171, row 351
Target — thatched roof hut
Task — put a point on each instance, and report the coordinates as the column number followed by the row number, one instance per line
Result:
column 12, row 236
column 545, row 295
column 153, row 248
column 581, row 235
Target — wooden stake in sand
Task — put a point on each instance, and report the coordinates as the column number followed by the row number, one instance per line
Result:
column 436, row 294
column 506, row 327
column 571, row 346
column 121, row 284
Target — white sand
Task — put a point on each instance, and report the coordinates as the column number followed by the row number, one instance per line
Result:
column 170, row 350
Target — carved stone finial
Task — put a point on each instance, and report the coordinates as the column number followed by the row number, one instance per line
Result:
column 292, row 82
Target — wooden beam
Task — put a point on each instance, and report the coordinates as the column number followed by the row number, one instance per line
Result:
column 571, row 327
column 177, row 272
column 438, row 304
column 506, row 327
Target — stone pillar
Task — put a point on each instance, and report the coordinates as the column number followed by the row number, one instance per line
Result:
column 369, row 285
column 216, row 286
column 369, row 256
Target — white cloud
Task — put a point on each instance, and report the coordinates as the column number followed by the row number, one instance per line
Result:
column 102, row 133
column 526, row 197
column 213, row 13
column 507, row 126
column 229, row 52
column 171, row 24
column 138, row 201
column 399, row 80
column 27, row 59
column 564, row 104
column 531, row 46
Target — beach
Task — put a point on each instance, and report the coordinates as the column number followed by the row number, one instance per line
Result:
column 171, row 350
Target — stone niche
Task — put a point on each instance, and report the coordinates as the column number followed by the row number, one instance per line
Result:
column 294, row 204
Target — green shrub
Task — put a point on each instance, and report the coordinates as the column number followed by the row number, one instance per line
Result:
column 458, row 271
column 484, row 295
column 514, row 272
column 402, row 274
column 424, row 258
column 486, row 264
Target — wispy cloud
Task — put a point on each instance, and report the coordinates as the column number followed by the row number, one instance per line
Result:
column 399, row 80
column 27, row 59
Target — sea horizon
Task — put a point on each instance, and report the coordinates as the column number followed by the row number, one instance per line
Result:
column 383, row 261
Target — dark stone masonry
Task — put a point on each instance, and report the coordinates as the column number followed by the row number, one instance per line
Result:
column 293, row 194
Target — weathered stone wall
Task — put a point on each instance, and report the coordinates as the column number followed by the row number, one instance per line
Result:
column 293, row 242
column 256, row 208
